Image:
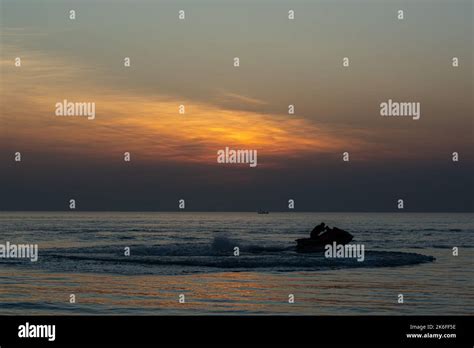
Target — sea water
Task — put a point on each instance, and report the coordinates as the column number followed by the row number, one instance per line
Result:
column 193, row 254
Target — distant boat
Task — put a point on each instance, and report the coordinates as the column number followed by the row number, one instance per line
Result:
column 260, row 211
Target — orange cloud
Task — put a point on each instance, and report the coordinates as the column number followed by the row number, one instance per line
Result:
column 151, row 128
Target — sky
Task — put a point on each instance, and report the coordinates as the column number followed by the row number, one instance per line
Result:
column 190, row 62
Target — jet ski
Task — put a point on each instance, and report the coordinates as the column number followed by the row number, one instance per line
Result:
column 309, row 245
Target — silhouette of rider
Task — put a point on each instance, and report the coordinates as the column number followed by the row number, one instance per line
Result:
column 317, row 230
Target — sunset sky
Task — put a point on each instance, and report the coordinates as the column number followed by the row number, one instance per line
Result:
column 282, row 62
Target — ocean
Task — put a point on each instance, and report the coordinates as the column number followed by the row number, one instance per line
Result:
column 192, row 254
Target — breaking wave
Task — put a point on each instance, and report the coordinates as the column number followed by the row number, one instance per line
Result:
column 215, row 256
